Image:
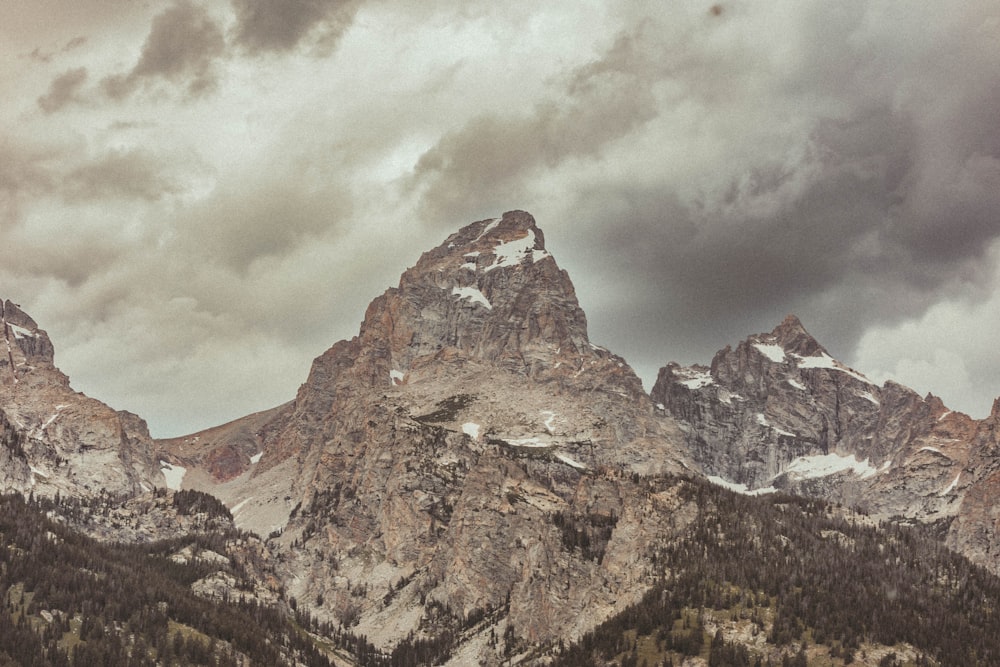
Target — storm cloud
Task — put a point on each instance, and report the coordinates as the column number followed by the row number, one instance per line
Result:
column 63, row 90
column 182, row 47
column 247, row 175
column 275, row 26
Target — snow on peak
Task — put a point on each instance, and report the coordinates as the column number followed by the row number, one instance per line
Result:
column 473, row 295
column 824, row 360
column 21, row 332
column 772, row 351
column 512, row 253
column 693, row 378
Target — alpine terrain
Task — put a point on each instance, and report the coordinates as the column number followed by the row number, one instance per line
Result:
column 471, row 481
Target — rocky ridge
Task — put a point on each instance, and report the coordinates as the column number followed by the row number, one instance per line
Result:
column 56, row 440
column 779, row 413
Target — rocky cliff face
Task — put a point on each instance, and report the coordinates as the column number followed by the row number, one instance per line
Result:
column 53, row 439
column 450, row 461
column 779, row 413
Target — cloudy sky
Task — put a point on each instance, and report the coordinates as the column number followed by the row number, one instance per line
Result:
column 199, row 197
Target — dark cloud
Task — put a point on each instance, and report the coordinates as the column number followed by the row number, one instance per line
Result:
column 275, row 26
column 63, row 90
column 128, row 174
column 243, row 223
column 183, row 46
column 72, row 263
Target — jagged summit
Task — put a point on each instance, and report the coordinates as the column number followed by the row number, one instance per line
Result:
column 794, row 338
column 491, row 292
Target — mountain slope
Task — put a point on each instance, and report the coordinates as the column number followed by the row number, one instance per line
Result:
column 55, row 440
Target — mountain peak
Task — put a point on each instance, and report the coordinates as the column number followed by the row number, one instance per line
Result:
column 793, row 337
column 491, row 291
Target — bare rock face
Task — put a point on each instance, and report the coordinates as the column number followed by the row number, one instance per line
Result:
column 779, row 413
column 975, row 531
column 53, row 439
column 449, row 462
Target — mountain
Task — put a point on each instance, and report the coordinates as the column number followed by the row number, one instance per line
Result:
column 431, row 468
column 55, row 440
column 779, row 413
column 470, row 480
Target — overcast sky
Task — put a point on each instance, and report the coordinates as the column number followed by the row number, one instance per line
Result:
column 199, row 197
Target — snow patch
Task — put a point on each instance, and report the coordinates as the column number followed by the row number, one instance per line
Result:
column 740, row 488
column 512, row 253
column 255, row 459
column 529, row 442
column 944, row 415
column 951, row 486
column 21, row 332
column 774, row 352
column 468, row 265
column 795, row 383
column 824, row 465
column 396, row 377
column 727, row 396
column 661, row 406
column 488, row 228
column 473, row 295
column 694, row 379
column 471, row 429
column 548, row 419
column 173, row 474
column 868, row 397
column 826, row 361
column 569, row 460
column 933, row 449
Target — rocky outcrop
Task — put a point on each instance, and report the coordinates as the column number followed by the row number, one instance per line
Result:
column 55, row 440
